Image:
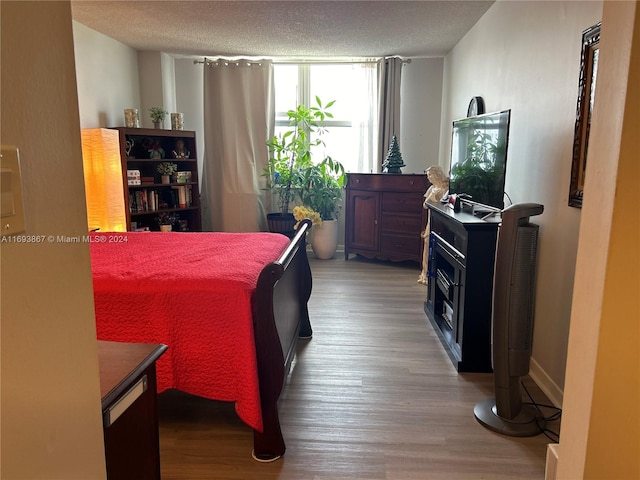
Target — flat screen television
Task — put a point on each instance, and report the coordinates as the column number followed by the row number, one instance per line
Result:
column 479, row 158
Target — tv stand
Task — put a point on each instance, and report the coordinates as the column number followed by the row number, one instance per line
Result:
column 460, row 288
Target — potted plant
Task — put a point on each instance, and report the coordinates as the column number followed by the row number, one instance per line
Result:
column 166, row 221
column 157, row 116
column 166, row 169
column 322, row 186
column 290, row 154
column 321, row 190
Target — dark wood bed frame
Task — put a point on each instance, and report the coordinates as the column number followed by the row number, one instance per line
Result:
column 280, row 316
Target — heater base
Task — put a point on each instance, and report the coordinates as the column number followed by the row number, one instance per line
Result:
column 528, row 423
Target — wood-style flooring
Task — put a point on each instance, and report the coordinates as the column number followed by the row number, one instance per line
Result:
column 372, row 396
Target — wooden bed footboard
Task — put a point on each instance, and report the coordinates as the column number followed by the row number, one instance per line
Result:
column 280, row 317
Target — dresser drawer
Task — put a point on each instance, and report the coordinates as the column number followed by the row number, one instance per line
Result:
column 402, row 202
column 402, row 224
column 402, row 244
column 388, row 182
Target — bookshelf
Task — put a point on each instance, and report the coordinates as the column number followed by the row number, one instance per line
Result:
column 146, row 196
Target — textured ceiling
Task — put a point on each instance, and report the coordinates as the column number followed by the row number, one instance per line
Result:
column 284, row 28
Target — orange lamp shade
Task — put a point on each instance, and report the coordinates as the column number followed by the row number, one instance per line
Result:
column 103, row 181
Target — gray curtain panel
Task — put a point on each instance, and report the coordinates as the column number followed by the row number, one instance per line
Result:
column 238, row 119
column 389, row 104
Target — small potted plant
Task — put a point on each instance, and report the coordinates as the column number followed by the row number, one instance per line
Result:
column 157, row 116
column 166, row 221
column 166, row 169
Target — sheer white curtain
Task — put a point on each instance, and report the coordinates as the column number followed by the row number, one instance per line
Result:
column 365, row 119
column 389, row 75
column 238, row 119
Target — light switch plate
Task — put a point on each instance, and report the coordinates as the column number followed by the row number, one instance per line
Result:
column 12, row 209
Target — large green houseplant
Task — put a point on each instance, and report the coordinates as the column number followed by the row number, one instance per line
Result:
column 321, row 190
column 290, row 157
column 322, row 186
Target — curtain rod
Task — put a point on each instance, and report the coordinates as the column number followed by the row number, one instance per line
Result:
column 294, row 61
column 226, row 61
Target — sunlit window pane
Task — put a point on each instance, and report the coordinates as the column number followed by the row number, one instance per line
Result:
column 286, row 82
column 334, row 82
column 352, row 132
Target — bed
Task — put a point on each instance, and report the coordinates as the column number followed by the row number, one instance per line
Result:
column 230, row 307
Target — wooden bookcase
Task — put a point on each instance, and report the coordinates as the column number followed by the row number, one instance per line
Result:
column 145, row 202
column 384, row 215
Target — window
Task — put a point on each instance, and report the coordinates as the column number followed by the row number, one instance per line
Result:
column 351, row 136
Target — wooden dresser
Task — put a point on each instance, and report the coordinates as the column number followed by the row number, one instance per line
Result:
column 384, row 215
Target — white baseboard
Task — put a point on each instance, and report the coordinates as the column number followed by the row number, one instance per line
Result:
column 550, row 389
column 553, row 450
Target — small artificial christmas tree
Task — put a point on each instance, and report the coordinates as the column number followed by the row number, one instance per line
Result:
column 394, row 161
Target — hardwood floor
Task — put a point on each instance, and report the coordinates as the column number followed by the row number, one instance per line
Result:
column 372, row 396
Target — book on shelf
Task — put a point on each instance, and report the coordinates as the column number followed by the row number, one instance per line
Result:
column 143, row 200
column 182, row 196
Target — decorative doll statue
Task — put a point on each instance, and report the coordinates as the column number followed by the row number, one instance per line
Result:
column 439, row 184
column 438, row 189
column 180, row 151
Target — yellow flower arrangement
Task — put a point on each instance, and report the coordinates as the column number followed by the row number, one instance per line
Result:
column 301, row 212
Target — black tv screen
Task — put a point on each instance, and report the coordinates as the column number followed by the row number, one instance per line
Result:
column 479, row 157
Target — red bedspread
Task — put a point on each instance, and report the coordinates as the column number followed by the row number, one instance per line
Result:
column 192, row 292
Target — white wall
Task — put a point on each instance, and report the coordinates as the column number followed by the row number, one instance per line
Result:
column 107, row 76
column 421, row 105
column 525, row 56
column 51, row 408
column 189, row 100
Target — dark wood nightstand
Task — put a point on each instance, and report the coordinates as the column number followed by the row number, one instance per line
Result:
column 129, row 409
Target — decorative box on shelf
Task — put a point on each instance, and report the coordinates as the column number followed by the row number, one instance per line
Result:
column 133, row 177
column 183, row 177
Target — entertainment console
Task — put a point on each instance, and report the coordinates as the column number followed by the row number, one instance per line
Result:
column 462, row 251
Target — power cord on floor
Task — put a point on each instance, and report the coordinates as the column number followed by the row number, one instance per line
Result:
column 554, row 417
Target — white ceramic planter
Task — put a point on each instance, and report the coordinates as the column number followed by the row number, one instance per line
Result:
column 324, row 239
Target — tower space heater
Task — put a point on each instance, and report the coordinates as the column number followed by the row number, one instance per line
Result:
column 512, row 324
